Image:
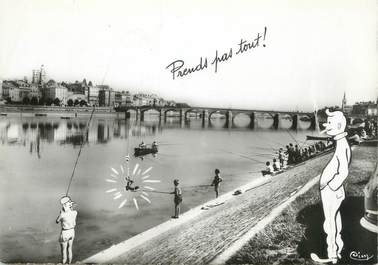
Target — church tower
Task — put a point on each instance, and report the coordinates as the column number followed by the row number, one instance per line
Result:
column 344, row 103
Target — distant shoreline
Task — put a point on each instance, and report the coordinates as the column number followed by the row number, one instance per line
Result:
column 31, row 108
column 40, row 111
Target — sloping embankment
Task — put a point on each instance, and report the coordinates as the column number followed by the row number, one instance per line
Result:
column 206, row 235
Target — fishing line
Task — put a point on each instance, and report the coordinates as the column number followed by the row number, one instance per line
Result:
column 156, row 191
column 292, row 136
column 264, row 155
column 270, row 140
column 262, row 148
column 78, row 155
column 244, row 156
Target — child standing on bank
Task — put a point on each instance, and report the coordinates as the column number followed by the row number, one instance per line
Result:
column 177, row 199
column 216, row 181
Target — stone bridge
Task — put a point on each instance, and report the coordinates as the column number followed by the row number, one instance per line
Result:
column 205, row 113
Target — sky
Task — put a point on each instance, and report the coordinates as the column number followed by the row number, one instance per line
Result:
column 314, row 50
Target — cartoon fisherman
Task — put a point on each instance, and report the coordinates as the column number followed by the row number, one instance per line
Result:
column 67, row 218
column 331, row 186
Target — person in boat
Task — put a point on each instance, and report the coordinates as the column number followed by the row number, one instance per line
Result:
column 177, row 199
column 67, row 219
column 129, row 185
column 142, row 145
column 154, row 145
column 276, row 165
column 268, row 170
column 216, row 182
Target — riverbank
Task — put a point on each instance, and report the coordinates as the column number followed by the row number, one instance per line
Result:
column 206, row 235
column 297, row 232
column 53, row 111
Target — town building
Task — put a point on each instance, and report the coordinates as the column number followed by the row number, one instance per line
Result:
column 142, row 99
column 39, row 76
column 54, row 91
column 15, row 90
column 127, row 98
column 35, row 92
column 106, row 98
column 91, row 94
column 7, row 85
column 365, row 108
column 117, row 98
column 347, row 109
column 372, row 110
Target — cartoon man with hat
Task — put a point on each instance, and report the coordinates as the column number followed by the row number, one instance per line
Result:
column 332, row 188
column 67, row 218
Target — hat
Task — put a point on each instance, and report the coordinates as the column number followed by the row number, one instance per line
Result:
column 65, row 199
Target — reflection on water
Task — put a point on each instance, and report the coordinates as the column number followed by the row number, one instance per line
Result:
column 32, row 131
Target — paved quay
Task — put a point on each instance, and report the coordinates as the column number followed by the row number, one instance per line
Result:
column 199, row 236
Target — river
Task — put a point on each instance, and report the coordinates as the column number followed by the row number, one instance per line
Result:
column 38, row 154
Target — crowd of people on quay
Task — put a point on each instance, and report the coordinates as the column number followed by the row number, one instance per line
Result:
column 296, row 154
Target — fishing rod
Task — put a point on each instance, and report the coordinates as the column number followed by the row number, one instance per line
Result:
column 292, row 136
column 79, row 153
column 169, row 144
column 244, row 156
column 270, row 140
column 262, row 148
column 264, row 155
column 156, row 191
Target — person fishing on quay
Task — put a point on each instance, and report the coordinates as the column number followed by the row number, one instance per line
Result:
column 67, row 218
column 216, row 181
column 177, row 199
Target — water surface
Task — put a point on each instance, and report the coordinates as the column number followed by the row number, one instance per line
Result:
column 38, row 153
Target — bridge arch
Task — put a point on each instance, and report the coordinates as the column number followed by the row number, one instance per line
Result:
column 308, row 117
column 192, row 110
column 249, row 114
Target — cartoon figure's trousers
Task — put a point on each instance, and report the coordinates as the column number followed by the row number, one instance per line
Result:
column 332, row 224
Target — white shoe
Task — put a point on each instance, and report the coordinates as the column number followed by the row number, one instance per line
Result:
column 316, row 258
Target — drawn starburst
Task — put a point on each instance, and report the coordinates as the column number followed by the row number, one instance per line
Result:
column 139, row 177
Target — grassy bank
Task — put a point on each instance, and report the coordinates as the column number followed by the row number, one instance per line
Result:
column 298, row 231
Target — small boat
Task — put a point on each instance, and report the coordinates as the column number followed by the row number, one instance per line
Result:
column 40, row 114
column 318, row 138
column 3, row 114
column 138, row 151
column 65, row 117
